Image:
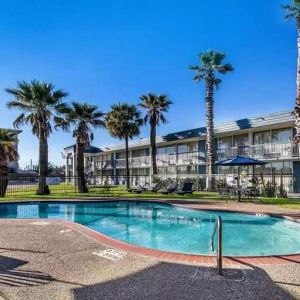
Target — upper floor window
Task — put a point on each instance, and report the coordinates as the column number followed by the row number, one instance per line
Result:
column 166, row 150
column 182, row 148
column 140, row 152
column 187, row 147
column 120, row 155
column 282, row 135
column 225, row 142
column 273, row 136
column 241, row 140
column 106, row 157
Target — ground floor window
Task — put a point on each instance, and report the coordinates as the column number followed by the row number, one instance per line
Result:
column 224, row 170
column 187, row 170
column 140, row 172
column 275, row 168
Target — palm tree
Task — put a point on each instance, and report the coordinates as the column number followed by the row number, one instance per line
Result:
column 124, row 122
column 211, row 63
column 8, row 154
column 293, row 12
column 37, row 101
column 83, row 118
column 155, row 106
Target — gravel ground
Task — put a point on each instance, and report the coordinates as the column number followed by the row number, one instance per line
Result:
column 43, row 260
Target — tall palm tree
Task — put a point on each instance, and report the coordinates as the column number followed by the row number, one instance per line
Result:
column 82, row 117
column 8, row 154
column 124, row 122
column 211, row 63
column 155, row 106
column 293, row 12
column 37, row 101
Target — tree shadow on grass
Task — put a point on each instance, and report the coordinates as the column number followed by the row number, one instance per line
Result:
column 177, row 281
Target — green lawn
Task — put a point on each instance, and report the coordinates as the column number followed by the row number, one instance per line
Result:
column 67, row 191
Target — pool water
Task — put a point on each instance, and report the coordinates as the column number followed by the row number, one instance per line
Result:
column 169, row 228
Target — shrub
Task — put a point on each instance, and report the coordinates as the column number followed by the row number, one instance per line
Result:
column 221, row 184
column 269, row 189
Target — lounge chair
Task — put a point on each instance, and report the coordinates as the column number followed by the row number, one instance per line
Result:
column 171, row 188
column 186, row 189
column 154, row 188
column 139, row 189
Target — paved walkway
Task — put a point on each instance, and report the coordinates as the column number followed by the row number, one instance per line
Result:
column 44, row 260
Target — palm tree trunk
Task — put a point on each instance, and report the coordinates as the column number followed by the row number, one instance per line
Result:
column 81, row 183
column 297, row 106
column 43, row 188
column 210, row 149
column 127, row 162
column 153, row 147
column 3, row 173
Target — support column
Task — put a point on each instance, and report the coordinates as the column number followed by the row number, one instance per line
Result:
column 150, row 167
column 67, row 166
column 114, row 169
column 250, row 138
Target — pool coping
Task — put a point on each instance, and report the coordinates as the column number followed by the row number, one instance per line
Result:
column 165, row 255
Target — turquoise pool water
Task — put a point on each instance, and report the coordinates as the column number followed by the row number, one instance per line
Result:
column 169, row 228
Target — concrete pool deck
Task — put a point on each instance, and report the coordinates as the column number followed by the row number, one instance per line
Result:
column 46, row 259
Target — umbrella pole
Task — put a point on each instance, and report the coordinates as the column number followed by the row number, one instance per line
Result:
column 238, row 185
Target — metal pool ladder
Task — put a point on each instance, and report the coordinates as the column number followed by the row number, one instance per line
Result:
column 218, row 226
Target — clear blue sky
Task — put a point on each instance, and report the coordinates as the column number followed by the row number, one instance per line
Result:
column 108, row 51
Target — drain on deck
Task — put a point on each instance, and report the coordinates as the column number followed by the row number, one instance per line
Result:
column 111, row 254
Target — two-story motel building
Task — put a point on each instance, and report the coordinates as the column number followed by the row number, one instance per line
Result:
column 182, row 154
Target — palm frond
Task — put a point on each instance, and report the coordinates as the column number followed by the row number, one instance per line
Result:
column 82, row 117
column 38, row 101
column 292, row 10
column 20, row 120
column 123, row 121
column 8, row 151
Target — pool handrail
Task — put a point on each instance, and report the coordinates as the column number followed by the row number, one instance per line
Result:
column 218, row 225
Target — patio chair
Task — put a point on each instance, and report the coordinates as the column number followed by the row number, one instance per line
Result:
column 186, row 189
column 171, row 188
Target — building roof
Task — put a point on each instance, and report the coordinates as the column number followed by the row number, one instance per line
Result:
column 91, row 149
column 283, row 117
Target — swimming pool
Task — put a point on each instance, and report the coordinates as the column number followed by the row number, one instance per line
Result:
column 169, row 228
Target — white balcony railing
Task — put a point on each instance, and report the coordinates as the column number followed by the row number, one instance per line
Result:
column 143, row 161
column 134, row 162
column 186, row 158
column 103, row 165
column 263, row 151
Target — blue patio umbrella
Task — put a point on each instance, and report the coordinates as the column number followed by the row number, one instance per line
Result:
column 239, row 161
